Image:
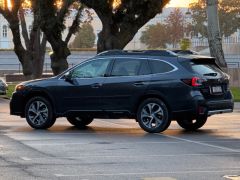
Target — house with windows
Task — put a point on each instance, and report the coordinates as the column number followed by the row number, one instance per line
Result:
column 4, row 34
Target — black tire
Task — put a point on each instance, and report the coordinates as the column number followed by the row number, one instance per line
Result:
column 79, row 122
column 153, row 122
column 43, row 117
column 192, row 124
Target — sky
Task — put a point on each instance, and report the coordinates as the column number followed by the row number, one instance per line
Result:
column 180, row 3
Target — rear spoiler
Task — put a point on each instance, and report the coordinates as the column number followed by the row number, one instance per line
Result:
column 199, row 59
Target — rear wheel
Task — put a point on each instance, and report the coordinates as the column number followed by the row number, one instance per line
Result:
column 153, row 116
column 39, row 113
column 192, row 124
column 79, row 122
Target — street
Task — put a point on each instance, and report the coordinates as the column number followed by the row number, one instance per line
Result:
column 118, row 149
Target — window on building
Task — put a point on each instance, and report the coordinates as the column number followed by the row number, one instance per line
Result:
column 5, row 31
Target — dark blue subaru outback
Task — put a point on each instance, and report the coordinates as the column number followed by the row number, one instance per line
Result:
column 153, row 87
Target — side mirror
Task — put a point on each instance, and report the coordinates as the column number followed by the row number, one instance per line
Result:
column 68, row 77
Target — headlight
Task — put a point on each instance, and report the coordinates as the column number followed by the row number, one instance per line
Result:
column 20, row 87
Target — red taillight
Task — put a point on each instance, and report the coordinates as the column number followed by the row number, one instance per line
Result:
column 194, row 82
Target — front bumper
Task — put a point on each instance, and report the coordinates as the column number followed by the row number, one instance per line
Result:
column 17, row 104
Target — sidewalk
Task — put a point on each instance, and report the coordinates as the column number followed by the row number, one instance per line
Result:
column 237, row 106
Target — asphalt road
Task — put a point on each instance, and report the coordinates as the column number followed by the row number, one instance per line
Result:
column 118, row 149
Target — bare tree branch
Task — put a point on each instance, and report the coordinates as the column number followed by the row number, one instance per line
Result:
column 75, row 25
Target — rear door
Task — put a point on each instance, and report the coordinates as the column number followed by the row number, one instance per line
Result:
column 128, row 80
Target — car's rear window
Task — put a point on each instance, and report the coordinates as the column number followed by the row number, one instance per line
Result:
column 202, row 68
column 160, row 66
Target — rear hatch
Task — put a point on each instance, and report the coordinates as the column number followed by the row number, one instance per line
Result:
column 208, row 77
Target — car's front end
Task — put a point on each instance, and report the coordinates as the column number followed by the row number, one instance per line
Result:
column 26, row 90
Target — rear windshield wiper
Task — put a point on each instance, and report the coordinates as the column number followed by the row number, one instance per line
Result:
column 211, row 74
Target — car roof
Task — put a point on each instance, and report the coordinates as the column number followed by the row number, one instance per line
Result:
column 157, row 54
column 165, row 53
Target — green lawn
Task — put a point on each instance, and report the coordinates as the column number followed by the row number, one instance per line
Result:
column 235, row 91
column 10, row 90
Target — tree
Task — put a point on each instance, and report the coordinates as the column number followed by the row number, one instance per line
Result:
column 185, row 44
column 121, row 19
column 85, row 37
column 53, row 15
column 214, row 37
column 155, row 36
column 175, row 26
column 30, row 54
column 229, row 19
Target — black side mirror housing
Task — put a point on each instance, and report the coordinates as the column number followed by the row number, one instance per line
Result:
column 68, row 77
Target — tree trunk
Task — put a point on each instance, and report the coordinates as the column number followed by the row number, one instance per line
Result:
column 110, row 38
column 24, row 56
column 60, row 53
column 58, row 64
column 214, row 36
column 27, row 64
column 39, row 55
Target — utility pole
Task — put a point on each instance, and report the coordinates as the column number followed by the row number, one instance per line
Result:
column 214, row 35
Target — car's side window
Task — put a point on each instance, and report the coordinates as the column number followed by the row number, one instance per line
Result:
column 160, row 66
column 92, row 69
column 144, row 69
column 126, row 67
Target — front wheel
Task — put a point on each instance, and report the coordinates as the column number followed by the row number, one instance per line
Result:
column 192, row 124
column 153, row 116
column 79, row 122
column 39, row 113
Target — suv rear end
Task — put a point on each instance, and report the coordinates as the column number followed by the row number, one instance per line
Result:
column 212, row 84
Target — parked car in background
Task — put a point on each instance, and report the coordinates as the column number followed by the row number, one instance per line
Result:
column 3, row 87
column 153, row 87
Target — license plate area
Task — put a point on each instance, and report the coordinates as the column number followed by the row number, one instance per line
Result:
column 216, row 90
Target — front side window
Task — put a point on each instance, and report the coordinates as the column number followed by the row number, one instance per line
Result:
column 4, row 31
column 92, row 69
column 160, row 66
column 126, row 67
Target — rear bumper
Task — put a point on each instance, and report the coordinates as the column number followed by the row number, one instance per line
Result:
column 219, row 111
column 3, row 91
column 219, row 107
column 203, row 107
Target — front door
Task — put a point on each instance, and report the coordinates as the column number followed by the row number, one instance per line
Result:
column 83, row 91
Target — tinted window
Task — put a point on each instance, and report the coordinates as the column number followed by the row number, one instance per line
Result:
column 96, row 68
column 144, row 69
column 160, row 66
column 205, row 69
column 126, row 67
column 202, row 68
